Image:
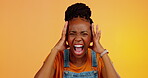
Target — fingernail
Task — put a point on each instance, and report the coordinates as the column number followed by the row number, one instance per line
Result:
column 66, row 21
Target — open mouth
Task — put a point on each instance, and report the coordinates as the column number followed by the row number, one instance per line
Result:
column 78, row 49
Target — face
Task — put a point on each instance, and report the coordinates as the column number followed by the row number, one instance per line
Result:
column 79, row 36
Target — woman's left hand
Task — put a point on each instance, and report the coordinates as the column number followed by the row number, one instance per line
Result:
column 97, row 47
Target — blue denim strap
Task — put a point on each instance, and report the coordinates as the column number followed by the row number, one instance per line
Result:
column 94, row 58
column 66, row 58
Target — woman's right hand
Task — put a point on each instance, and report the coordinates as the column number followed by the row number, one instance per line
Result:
column 61, row 45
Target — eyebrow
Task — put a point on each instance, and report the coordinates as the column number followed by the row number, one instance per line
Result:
column 75, row 32
column 72, row 31
column 84, row 31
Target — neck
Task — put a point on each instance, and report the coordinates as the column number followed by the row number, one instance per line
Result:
column 78, row 61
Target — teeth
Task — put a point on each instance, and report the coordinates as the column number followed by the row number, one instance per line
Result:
column 78, row 45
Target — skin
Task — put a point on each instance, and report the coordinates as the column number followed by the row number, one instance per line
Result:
column 79, row 33
column 78, row 25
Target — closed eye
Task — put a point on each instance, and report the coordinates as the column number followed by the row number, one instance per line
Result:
column 84, row 34
column 72, row 33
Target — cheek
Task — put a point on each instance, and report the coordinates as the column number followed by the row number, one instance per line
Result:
column 87, row 40
column 70, row 40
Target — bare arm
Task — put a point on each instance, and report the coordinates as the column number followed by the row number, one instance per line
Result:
column 109, row 68
column 47, row 70
column 108, row 71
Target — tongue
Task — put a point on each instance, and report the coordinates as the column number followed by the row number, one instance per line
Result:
column 78, row 49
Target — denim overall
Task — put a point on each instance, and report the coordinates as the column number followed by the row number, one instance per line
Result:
column 88, row 74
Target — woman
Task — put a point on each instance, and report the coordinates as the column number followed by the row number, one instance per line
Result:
column 72, row 56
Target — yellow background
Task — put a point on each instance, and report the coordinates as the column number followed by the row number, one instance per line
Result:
column 30, row 28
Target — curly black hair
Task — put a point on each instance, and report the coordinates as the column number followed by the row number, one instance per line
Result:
column 78, row 10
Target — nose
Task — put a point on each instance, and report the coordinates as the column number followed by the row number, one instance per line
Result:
column 78, row 38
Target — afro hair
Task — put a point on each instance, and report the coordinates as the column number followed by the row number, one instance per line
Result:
column 78, row 10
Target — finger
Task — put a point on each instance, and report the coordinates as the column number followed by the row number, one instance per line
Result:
column 93, row 32
column 64, row 29
column 97, row 29
column 100, row 34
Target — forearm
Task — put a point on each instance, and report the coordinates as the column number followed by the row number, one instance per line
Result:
column 47, row 70
column 110, row 70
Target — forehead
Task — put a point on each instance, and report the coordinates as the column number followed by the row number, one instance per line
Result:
column 79, row 24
